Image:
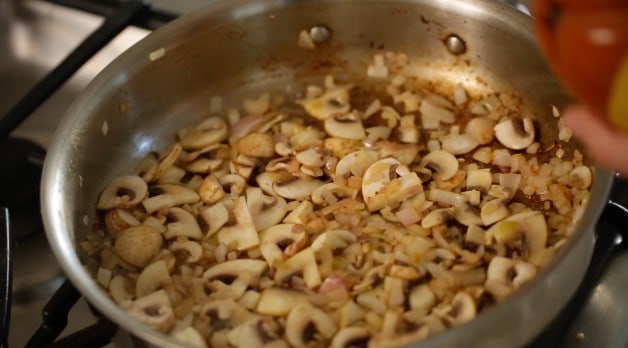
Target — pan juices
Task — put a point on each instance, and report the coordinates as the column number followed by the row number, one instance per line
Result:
column 586, row 43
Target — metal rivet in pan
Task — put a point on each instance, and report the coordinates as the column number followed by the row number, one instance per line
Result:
column 455, row 45
column 320, row 33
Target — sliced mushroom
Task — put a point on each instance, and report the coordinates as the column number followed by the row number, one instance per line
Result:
column 301, row 214
column 146, row 169
column 279, row 301
column 168, row 195
column 334, row 239
column 434, row 111
column 259, row 332
column 266, row 211
column 493, row 211
column 257, row 145
column 117, row 220
column 422, row 298
column 459, row 144
column 123, row 192
column 513, row 273
column 120, row 289
column 347, row 126
column 333, row 102
column 387, row 183
column 461, row 310
column 510, row 182
column 351, row 337
column 515, row 133
column 340, row 147
column 330, row 192
column 437, row 217
column 304, row 321
column 181, row 223
column 211, row 190
column 355, row 163
column 211, row 131
column 154, row 277
column 446, row 197
column 581, row 177
column 350, row 313
column 138, row 245
column 404, row 272
column 443, row 162
column 313, row 157
column 408, row 132
column 481, row 130
column 479, row 179
column 233, row 183
column 533, row 228
column 298, row 188
column 206, row 160
column 467, row 215
column 229, row 270
column 303, row 263
column 191, row 250
column 168, row 161
column 172, row 175
column 404, row 153
column 153, row 310
column 280, row 240
column 190, row 336
column 211, row 219
column 243, row 235
column 224, row 314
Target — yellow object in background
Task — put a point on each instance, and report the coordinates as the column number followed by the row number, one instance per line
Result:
column 618, row 98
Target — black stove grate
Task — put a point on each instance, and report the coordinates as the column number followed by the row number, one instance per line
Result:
column 119, row 15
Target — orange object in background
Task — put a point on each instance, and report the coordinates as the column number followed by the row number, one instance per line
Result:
column 586, row 43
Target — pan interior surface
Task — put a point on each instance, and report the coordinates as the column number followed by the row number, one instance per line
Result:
column 240, row 48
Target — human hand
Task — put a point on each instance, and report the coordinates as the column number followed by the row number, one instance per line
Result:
column 608, row 146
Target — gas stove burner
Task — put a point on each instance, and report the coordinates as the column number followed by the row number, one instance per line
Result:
column 19, row 184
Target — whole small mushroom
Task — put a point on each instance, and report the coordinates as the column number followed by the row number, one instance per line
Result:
column 138, row 245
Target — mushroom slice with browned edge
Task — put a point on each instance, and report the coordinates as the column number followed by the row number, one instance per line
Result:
column 303, row 263
column 304, row 321
column 117, row 220
column 387, row 183
column 529, row 226
column 280, row 240
column 333, row 102
column 181, row 223
column 211, row 219
column 515, row 133
column 351, row 337
column 154, row 310
column 347, row 126
column 225, row 313
column 123, row 192
column 443, row 162
column 461, row 310
column 228, row 271
column 154, row 277
column 168, row 195
column 266, row 211
column 243, row 235
column 211, row 131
